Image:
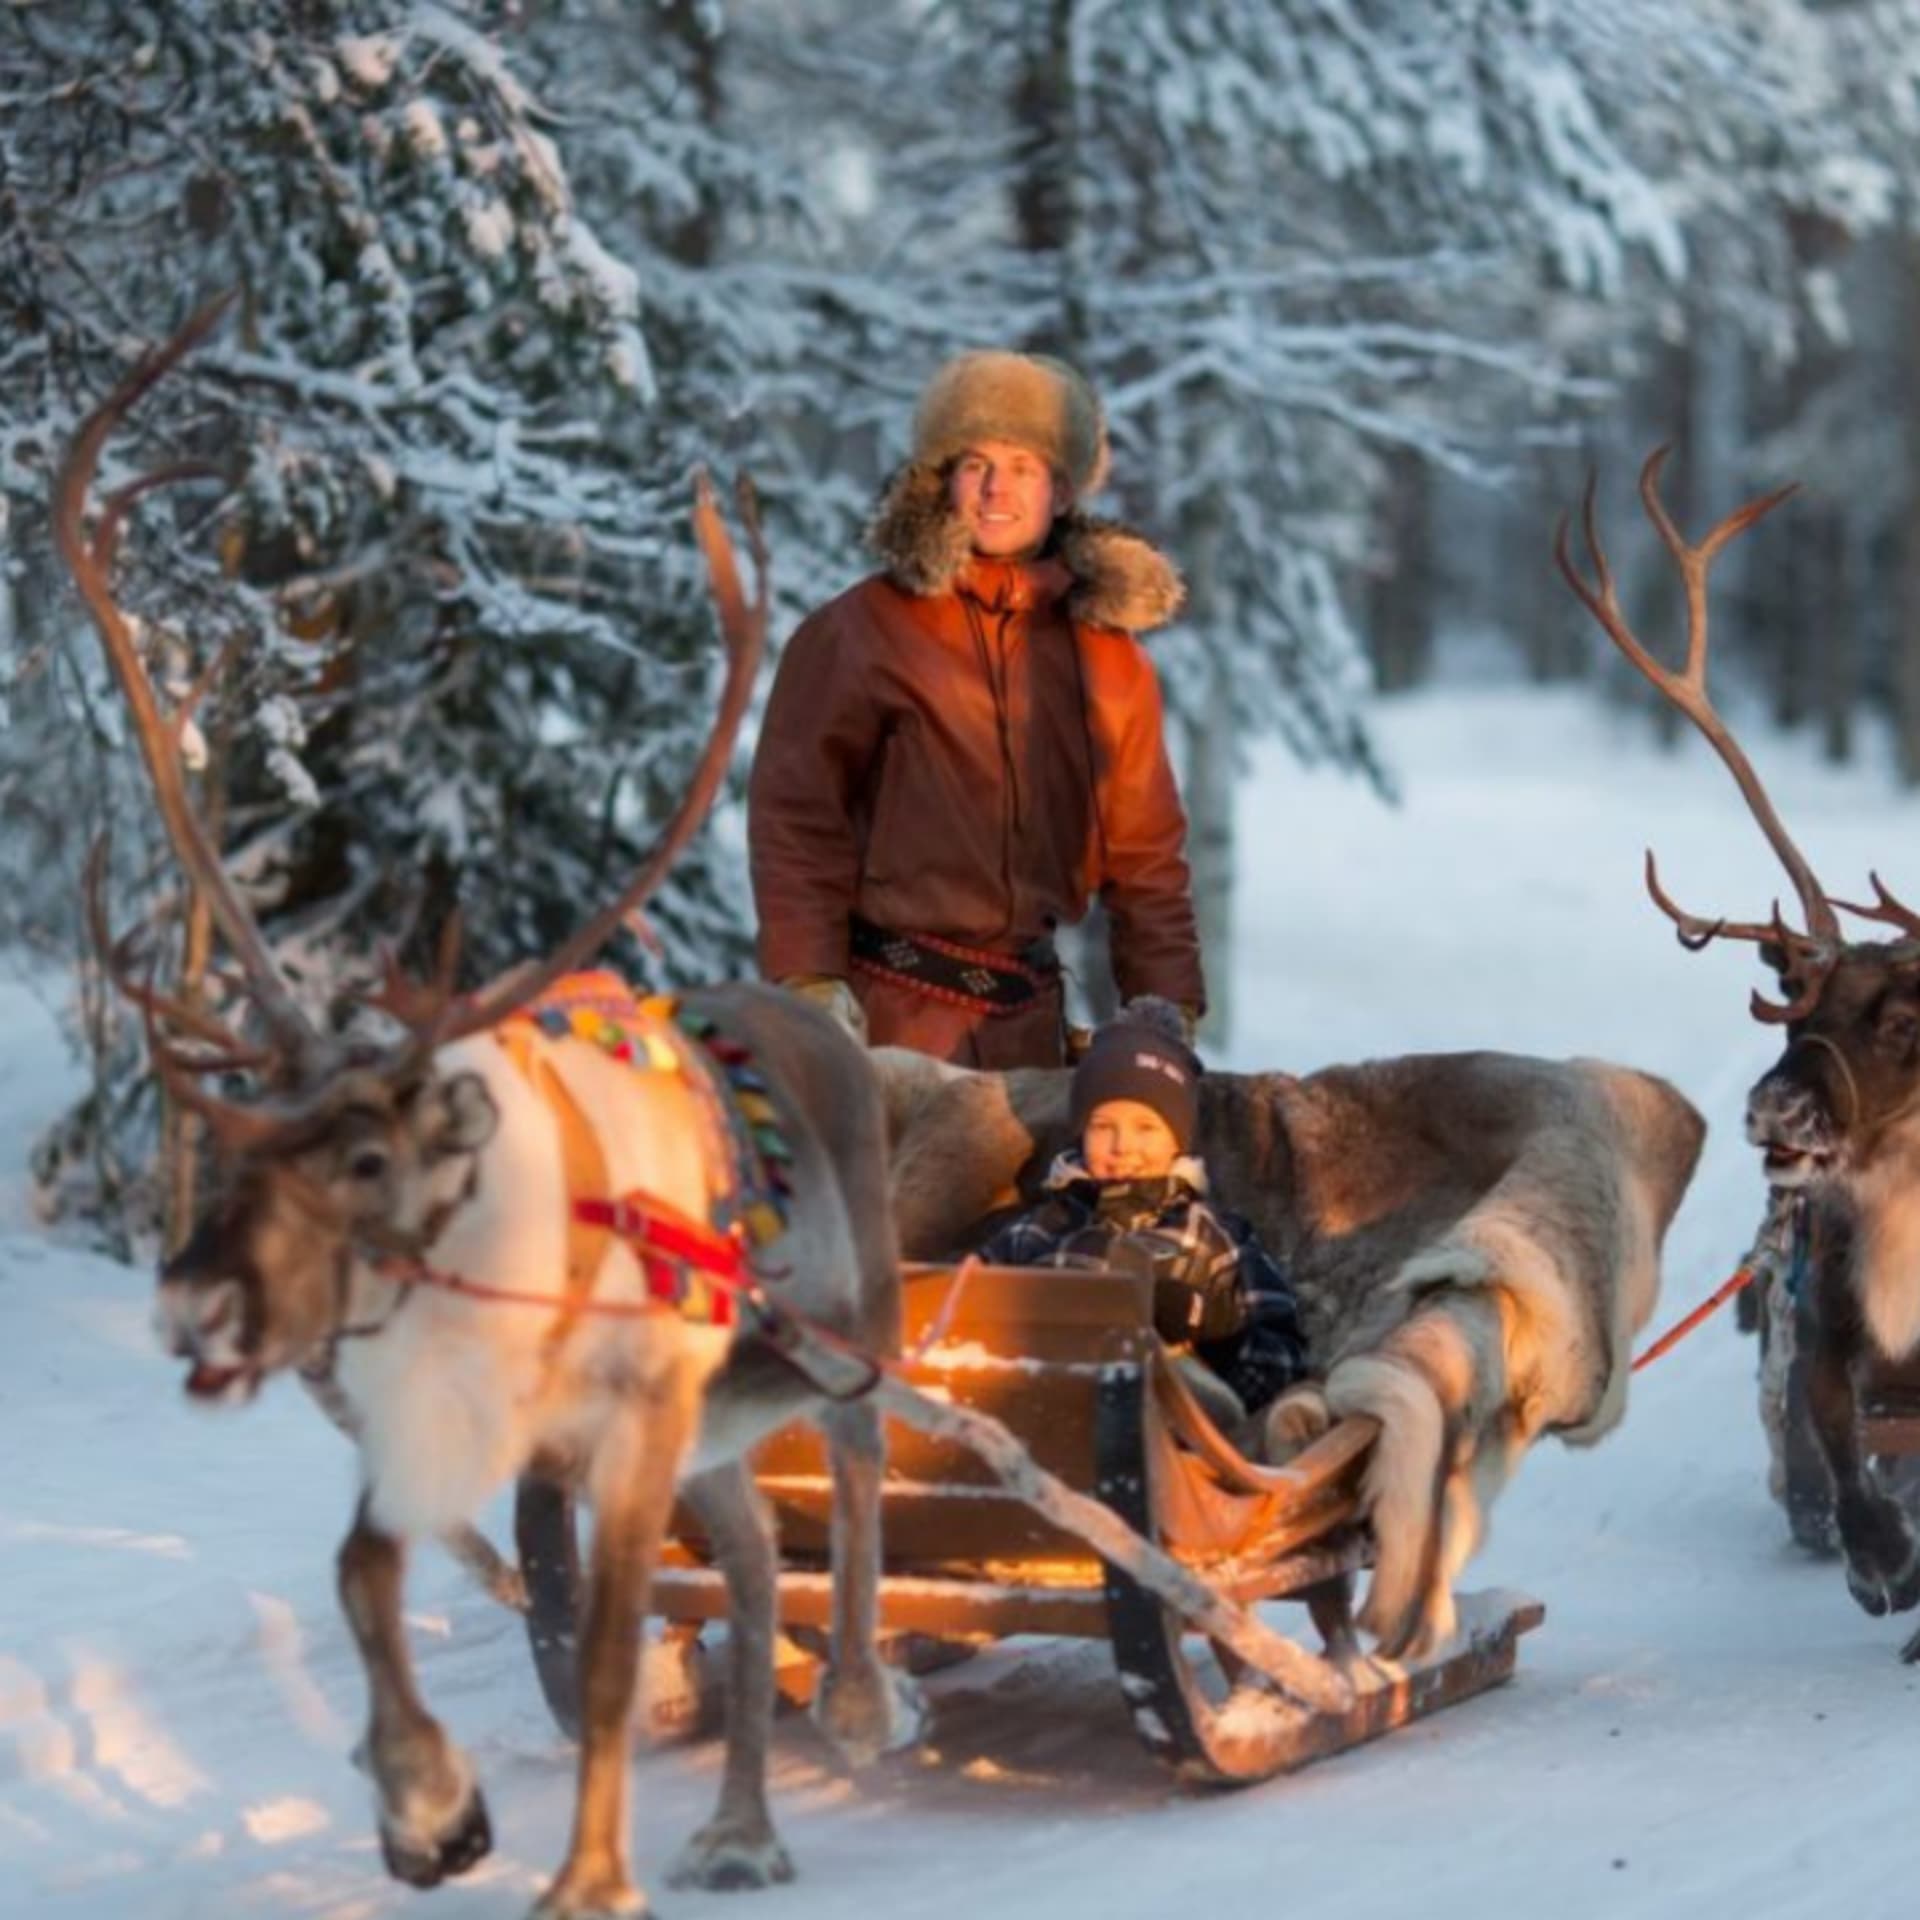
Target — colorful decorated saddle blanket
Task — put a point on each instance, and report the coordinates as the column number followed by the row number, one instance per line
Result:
column 700, row 1268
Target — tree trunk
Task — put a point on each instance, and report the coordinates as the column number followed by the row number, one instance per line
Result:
column 1211, row 782
column 1045, row 192
column 1905, row 662
column 1840, row 649
column 1400, row 598
column 1800, row 556
column 694, row 242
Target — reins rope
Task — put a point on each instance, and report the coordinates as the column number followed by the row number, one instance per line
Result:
column 1742, row 1278
column 785, row 1328
column 1846, row 1072
column 1784, row 1234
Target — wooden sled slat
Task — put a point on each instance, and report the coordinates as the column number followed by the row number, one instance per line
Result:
column 940, row 1608
column 1253, row 1734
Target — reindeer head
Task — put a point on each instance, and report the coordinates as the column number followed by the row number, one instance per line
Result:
column 265, row 1280
column 346, row 1149
column 1830, row 1106
column 1827, row 1108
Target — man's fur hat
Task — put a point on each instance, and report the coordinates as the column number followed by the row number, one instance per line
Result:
column 1029, row 399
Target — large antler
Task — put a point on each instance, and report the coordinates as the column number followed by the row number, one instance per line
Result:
column 430, row 1011
column 1809, row 956
column 294, row 1037
column 744, row 630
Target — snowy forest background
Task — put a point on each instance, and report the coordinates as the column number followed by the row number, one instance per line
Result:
column 1366, row 285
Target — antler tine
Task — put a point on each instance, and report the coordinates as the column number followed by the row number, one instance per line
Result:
column 1803, row 956
column 1886, row 909
column 117, row 956
column 422, row 1008
column 1687, row 689
column 1694, row 561
column 1602, row 602
column 290, row 1029
column 744, row 628
column 1808, row 958
column 1693, row 931
column 122, row 500
column 1772, row 1014
column 1696, row 933
column 237, row 1128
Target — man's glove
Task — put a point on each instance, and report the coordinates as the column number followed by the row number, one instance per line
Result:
column 828, row 991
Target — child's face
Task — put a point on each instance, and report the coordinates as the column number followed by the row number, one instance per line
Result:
column 1126, row 1140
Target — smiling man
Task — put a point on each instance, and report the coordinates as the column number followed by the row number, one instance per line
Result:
column 966, row 748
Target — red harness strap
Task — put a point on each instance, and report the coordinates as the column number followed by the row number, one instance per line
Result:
column 675, row 1253
column 671, row 1247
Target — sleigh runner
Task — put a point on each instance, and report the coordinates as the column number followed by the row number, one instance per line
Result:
column 1071, row 1368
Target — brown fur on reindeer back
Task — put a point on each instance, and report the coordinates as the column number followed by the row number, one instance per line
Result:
column 1474, row 1239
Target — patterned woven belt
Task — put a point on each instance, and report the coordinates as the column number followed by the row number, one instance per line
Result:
column 988, row 983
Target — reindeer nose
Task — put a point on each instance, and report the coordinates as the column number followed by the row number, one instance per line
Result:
column 1785, row 1109
column 186, row 1318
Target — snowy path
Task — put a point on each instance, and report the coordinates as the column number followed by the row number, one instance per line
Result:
column 1705, row 1726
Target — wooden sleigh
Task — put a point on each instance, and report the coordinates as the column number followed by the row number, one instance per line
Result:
column 1070, row 1366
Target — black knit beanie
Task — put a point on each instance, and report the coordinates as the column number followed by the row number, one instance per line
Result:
column 1142, row 1056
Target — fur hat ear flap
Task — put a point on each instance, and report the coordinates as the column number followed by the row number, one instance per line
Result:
column 1029, row 399
column 915, row 533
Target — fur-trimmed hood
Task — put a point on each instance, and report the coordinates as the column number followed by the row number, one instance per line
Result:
column 1121, row 579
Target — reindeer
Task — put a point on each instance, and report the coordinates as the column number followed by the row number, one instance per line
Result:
column 1837, row 1117
column 405, row 1211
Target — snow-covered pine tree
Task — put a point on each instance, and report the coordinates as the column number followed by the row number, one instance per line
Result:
column 468, row 656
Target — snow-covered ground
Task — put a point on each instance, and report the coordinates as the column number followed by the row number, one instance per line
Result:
column 1706, row 1725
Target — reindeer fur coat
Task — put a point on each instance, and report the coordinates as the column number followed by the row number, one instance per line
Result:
column 1473, row 1240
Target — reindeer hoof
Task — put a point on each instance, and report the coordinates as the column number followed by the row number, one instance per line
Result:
column 869, row 1715
column 591, row 1896
column 1879, row 1593
column 1883, row 1561
column 726, row 1858
column 1867, row 1591
column 465, row 1844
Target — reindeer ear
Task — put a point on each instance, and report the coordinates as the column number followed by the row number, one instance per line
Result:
column 465, row 1118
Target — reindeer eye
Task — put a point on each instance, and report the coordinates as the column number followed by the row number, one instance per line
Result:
column 368, row 1163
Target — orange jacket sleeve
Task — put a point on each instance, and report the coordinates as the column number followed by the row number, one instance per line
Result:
column 1146, row 886
column 818, row 741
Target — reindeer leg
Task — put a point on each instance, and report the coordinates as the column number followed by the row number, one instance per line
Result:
column 482, row 1561
column 865, row 1707
column 738, row 1847
column 1883, row 1559
column 631, row 1483
column 433, row 1821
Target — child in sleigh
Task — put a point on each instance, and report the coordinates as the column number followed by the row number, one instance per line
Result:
column 1133, row 1195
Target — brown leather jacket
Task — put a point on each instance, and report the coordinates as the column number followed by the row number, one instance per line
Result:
column 972, row 749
